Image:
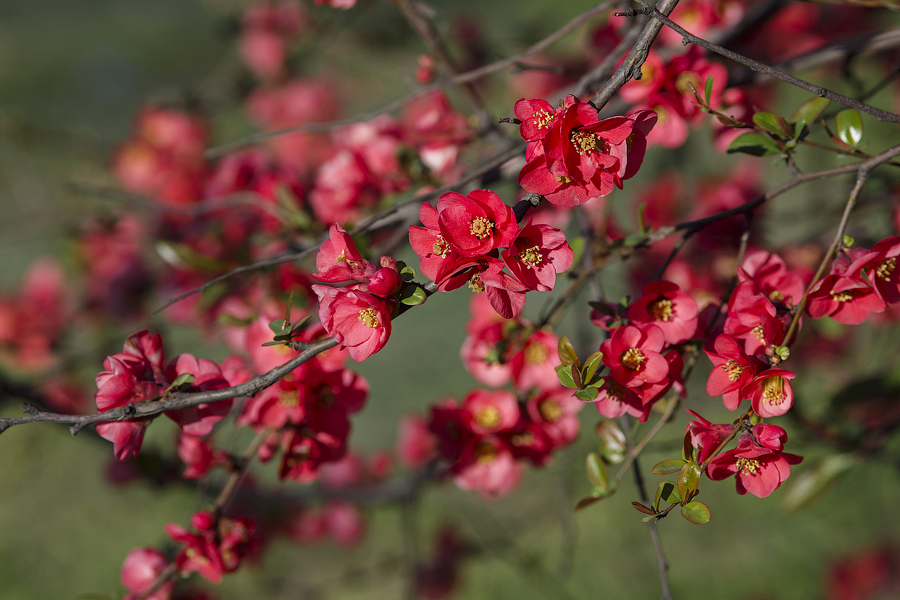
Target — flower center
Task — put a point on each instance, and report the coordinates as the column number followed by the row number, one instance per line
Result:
column 885, row 269
column 734, row 370
column 289, row 398
column 662, row 309
column 632, row 359
column 475, row 283
column 487, row 416
column 536, row 353
column 542, row 119
column 369, row 316
column 747, row 466
column 757, row 332
column 774, row 390
column 776, row 296
column 531, row 256
column 480, row 227
column 584, row 141
column 685, row 80
column 841, row 296
column 550, row 410
column 486, row 453
column 440, row 246
column 526, row 438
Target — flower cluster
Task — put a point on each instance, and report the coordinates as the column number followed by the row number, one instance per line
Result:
column 572, row 155
column 461, row 243
column 217, row 546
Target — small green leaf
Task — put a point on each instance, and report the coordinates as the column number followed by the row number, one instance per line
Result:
column 756, row 144
column 849, row 240
column 278, row 326
column 708, row 88
column 588, row 394
column 849, row 127
column 688, row 479
column 564, row 374
column 648, row 519
column 273, row 344
column 567, row 354
column 810, row 110
column 800, row 130
column 412, row 295
column 668, row 492
column 772, row 123
column 644, row 509
column 783, row 352
column 696, row 512
column 612, row 442
column 668, row 467
column 407, row 274
column 596, row 471
column 635, row 239
column 185, row 380
column 585, row 502
column 595, row 383
column 591, row 363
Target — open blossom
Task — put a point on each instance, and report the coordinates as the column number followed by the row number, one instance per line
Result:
column 634, row 355
column 573, row 156
column 732, row 370
column 537, row 254
column 770, row 392
column 474, row 225
column 758, row 464
column 139, row 572
column 664, row 304
column 706, row 437
column 844, row 295
column 356, row 319
column 339, row 260
column 490, row 411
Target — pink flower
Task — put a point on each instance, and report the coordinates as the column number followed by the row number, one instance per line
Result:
column 357, row 320
column 490, row 411
column 705, row 437
column 666, row 306
column 770, row 392
column 474, row 225
column 537, row 254
column 416, row 445
column 758, row 464
column 139, row 572
column 732, row 370
column 844, row 295
column 198, row 420
column 486, row 465
column 634, row 355
column 339, row 260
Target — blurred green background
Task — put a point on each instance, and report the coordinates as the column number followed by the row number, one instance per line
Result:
column 72, row 76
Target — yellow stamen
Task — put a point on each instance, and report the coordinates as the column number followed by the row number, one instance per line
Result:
column 475, row 284
column 885, row 269
column 550, row 410
column 487, row 417
column 662, row 310
column 632, row 359
column 733, row 369
column 369, row 316
column 536, row 353
column 747, row 466
column 531, row 256
column 440, row 246
column 584, row 141
column 480, row 227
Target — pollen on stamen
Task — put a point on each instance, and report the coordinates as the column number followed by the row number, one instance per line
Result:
column 774, row 390
column 550, row 410
column 289, row 398
column 543, row 119
column 475, row 284
column 841, row 296
column 487, row 416
column 583, row 141
column 480, row 227
column 440, row 247
column 747, row 466
column 632, row 359
column 885, row 269
column 531, row 256
column 662, row 309
column 536, row 353
column 369, row 316
column 486, row 452
column 734, row 370
column 758, row 333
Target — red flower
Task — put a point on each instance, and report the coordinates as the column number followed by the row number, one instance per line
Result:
column 634, row 355
column 490, row 411
column 758, row 464
column 339, row 260
column 705, row 437
column 357, row 320
column 843, row 295
column 732, row 370
column 770, row 392
column 474, row 225
column 139, row 572
column 537, row 254
column 666, row 306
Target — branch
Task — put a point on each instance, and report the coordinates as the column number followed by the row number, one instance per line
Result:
column 689, row 38
column 631, row 67
column 178, row 401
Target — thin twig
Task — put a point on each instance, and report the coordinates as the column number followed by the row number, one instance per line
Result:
column 689, row 38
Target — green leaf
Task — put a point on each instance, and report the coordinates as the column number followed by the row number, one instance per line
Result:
column 612, row 442
column 708, row 88
column 849, row 127
column 407, row 274
column 184, row 380
column 585, row 502
column 668, row 492
column 564, row 374
column 596, row 471
column 688, row 479
column 800, row 130
column 756, row 144
column 644, row 509
column 278, row 326
column 635, row 239
column 588, row 394
column 810, row 110
column 696, row 512
column 811, row 483
column 772, row 123
column 567, row 354
column 591, row 363
column 648, row 519
column 273, row 344
column 412, row 295
column 668, row 467
column 576, row 376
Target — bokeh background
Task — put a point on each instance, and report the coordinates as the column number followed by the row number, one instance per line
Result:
column 72, row 77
